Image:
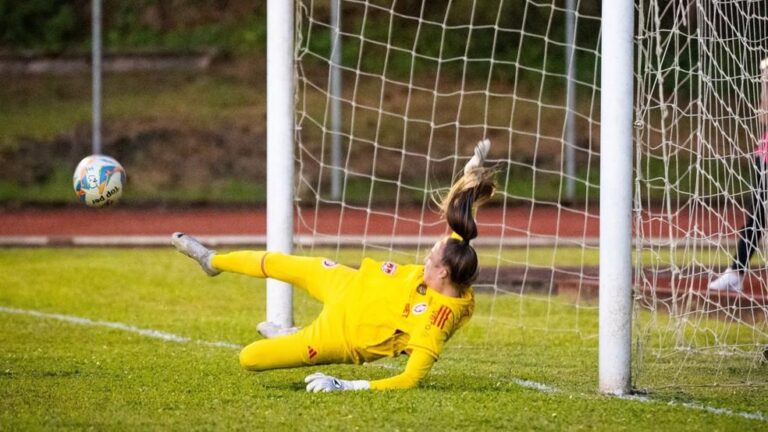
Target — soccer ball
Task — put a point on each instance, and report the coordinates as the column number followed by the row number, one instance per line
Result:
column 98, row 181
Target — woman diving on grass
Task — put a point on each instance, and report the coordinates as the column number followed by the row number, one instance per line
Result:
column 380, row 310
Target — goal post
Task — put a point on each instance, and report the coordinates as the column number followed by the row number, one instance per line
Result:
column 615, row 293
column 280, row 150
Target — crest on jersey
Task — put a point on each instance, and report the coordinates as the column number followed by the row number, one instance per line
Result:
column 421, row 289
column 419, row 308
column 389, row 267
column 328, row 263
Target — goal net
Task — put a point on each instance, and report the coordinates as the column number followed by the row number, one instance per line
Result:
column 700, row 114
column 392, row 96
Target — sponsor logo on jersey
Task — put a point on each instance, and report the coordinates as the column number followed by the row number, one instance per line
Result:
column 441, row 316
column 419, row 308
column 389, row 267
column 311, row 351
column 328, row 263
column 406, row 310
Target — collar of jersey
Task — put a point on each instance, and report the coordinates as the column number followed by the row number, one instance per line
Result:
column 466, row 297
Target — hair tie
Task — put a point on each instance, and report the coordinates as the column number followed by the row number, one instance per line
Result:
column 455, row 235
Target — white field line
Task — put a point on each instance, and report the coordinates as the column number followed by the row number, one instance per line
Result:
column 534, row 385
column 170, row 337
column 151, row 333
column 700, row 407
column 637, row 398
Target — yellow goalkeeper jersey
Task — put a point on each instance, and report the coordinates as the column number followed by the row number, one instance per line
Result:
column 389, row 311
column 380, row 310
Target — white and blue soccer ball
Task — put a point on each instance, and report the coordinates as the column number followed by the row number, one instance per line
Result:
column 99, row 181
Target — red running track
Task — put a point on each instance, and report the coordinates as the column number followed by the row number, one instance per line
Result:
column 223, row 221
column 519, row 221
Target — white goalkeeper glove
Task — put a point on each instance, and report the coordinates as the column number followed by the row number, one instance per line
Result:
column 319, row 382
column 481, row 151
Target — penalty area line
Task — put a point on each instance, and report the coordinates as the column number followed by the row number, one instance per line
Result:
column 151, row 333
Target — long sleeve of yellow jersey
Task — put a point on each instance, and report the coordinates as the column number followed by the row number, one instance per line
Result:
column 419, row 364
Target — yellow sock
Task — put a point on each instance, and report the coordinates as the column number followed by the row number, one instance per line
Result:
column 244, row 262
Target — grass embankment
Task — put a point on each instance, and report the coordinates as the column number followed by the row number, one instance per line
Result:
column 200, row 137
column 166, row 128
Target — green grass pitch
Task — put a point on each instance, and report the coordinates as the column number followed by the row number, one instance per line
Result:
column 522, row 363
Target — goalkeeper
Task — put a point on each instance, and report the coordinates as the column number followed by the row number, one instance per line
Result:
column 752, row 231
column 380, row 310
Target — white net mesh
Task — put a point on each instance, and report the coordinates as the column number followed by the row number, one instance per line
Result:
column 698, row 112
column 422, row 83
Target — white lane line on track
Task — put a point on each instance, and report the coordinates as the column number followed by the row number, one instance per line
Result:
column 170, row 337
column 139, row 240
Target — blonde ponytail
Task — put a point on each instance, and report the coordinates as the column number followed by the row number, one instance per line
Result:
column 473, row 189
